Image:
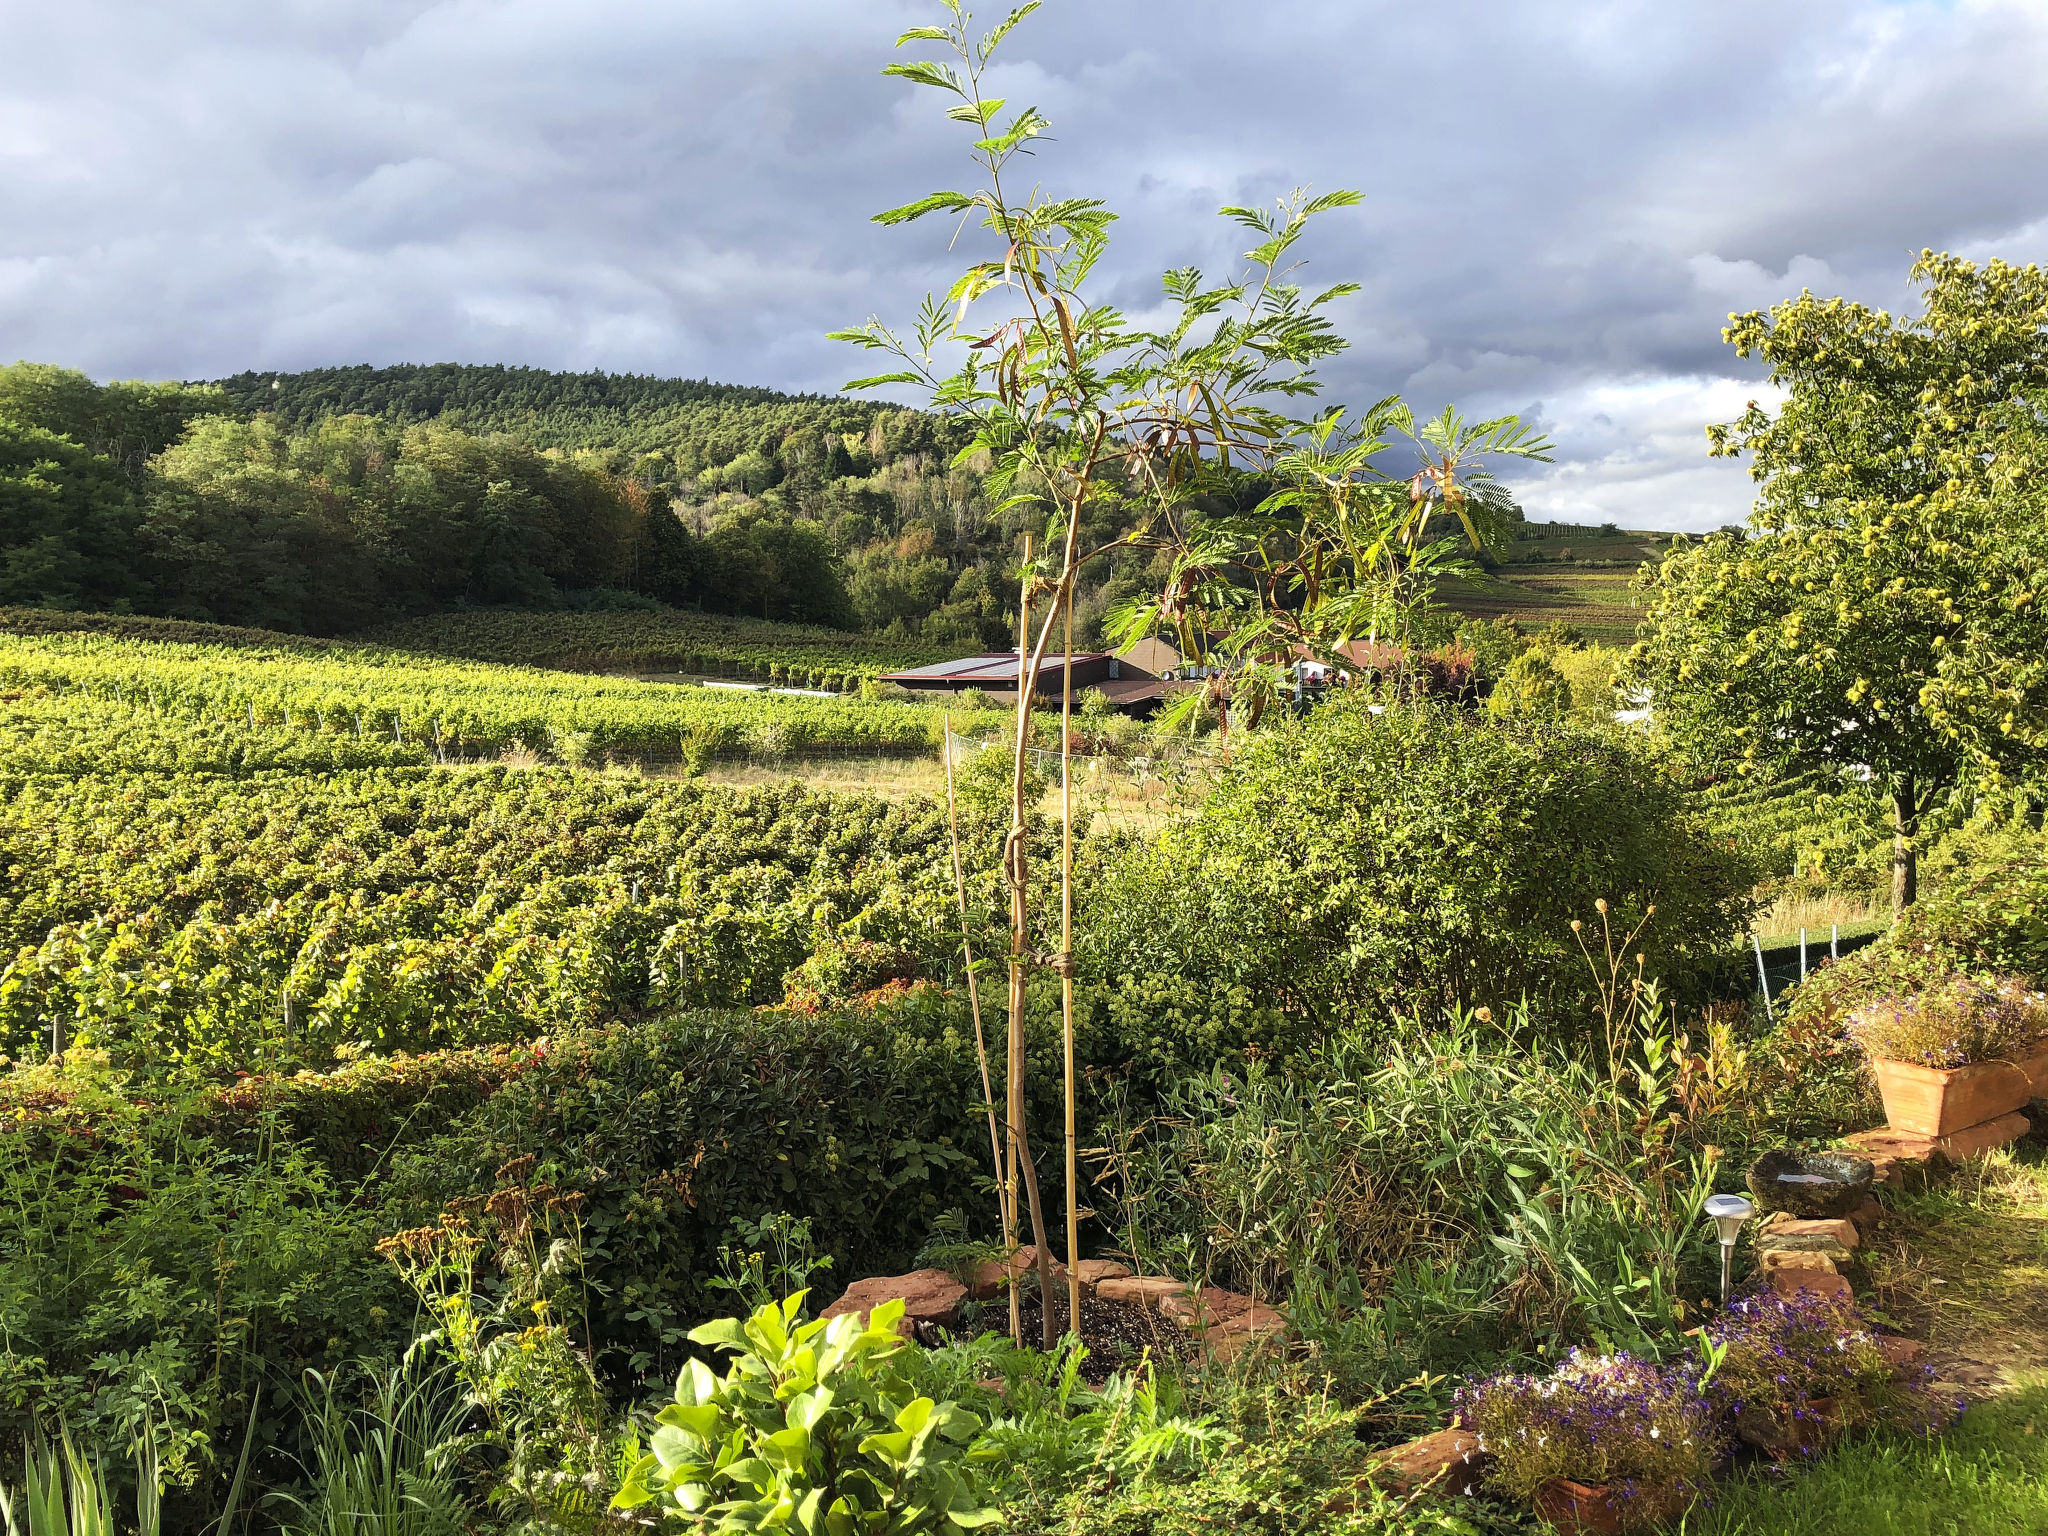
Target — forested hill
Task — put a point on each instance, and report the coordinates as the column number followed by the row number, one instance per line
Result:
column 693, row 424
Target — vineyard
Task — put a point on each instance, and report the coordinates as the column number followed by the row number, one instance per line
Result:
column 174, row 918
column 446, row 710
column 664, row 641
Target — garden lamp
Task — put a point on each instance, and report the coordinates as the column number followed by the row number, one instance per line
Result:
column 1729, row 1213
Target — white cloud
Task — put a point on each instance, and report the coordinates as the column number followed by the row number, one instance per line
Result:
column 1565, row 200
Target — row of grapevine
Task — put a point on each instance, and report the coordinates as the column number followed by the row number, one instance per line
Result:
column 212, row 923
column 458, row 709
column 664, row 641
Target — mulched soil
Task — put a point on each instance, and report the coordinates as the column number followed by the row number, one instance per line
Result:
column 1117, row 1333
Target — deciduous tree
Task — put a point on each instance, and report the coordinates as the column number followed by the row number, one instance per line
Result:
column 1881, row 615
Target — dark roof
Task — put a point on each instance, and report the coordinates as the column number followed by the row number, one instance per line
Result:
column 998, row 668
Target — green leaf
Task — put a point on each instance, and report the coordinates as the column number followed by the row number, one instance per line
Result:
column 726, row 1332
column 1002, row 28
column 925, row 35
column 937, row 202
column 939, row 76
column 874, row 381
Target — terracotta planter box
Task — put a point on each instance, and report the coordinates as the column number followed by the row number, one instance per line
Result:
column 1931, row 1101
column 1605, row 1511
column 2036, row 1068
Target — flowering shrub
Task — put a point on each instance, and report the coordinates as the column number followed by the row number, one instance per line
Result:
column 1640, row 1427
column 1960, row 1022
column 1775, row 1355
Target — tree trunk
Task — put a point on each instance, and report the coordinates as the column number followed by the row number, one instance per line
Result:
column 1015, row 869
column 1905, row 847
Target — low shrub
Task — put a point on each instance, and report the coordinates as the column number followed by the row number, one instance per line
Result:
column 1640, row 1427
column 160, row 1276
column 1371, row 867
column 1954, row 1025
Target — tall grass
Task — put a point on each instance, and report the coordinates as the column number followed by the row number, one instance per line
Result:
column 1467, row 1190
column 379, row 1464
column 65, row 1493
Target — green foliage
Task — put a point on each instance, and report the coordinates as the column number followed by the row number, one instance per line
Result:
column 1363, row 867
column 861, row 1123
column 1532, row 685
column 816, row 1427
column 662, row 640
column 126, row 423
column 156, row 1274
column 409, row 909
column 1986, row 1475
column 382, row 1465
column 768, row 1258
column 1988, row 919
column 455, row 708
column 68, row 521
column 1426, row 1201
column 1881, row 613
column 1302, row 1473
column 65, row 1493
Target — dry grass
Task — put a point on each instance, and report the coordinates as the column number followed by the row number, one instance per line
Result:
column 1855, row 910
column 1964, row 1266
column 892, row 778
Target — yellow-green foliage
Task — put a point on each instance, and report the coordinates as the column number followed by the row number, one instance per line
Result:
column 1533, row 685
column 457, row 708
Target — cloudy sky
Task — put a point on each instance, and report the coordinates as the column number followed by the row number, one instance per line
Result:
column 1564, row 200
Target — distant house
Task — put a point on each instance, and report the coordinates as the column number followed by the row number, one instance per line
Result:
column 1154, row 654
column 1131, row 688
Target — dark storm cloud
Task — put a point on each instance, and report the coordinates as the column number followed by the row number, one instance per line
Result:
column 1564, row 201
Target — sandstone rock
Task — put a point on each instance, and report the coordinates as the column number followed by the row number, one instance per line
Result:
column 1212, row 1304
column 1450, row 1458
column 1771, row 1259
column 1249, row 1330
column 1094, row 1271
column 1823, row 1236
column 1899, row 1353
column 1789, row 1282
column 1976, row 1140
column 928, row 1295
column 1902, row 1160
column 1867, row 1216
column 1146, row 1290
column 990, row 1276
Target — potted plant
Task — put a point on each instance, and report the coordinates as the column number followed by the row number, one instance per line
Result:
column 1956, row 1055
column 1791, row 1373
column 1605, row 1443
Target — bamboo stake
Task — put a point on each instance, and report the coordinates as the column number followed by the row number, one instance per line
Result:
column 1067, row 940
column 988, row 1092
column 1015, row 867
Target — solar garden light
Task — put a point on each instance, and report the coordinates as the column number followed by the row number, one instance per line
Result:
column 1729, row 1213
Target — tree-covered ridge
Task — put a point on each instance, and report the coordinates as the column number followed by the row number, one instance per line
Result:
column 341, row 506
column 636, row 413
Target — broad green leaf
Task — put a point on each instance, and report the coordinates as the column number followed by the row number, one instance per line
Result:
column 725, row 1331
